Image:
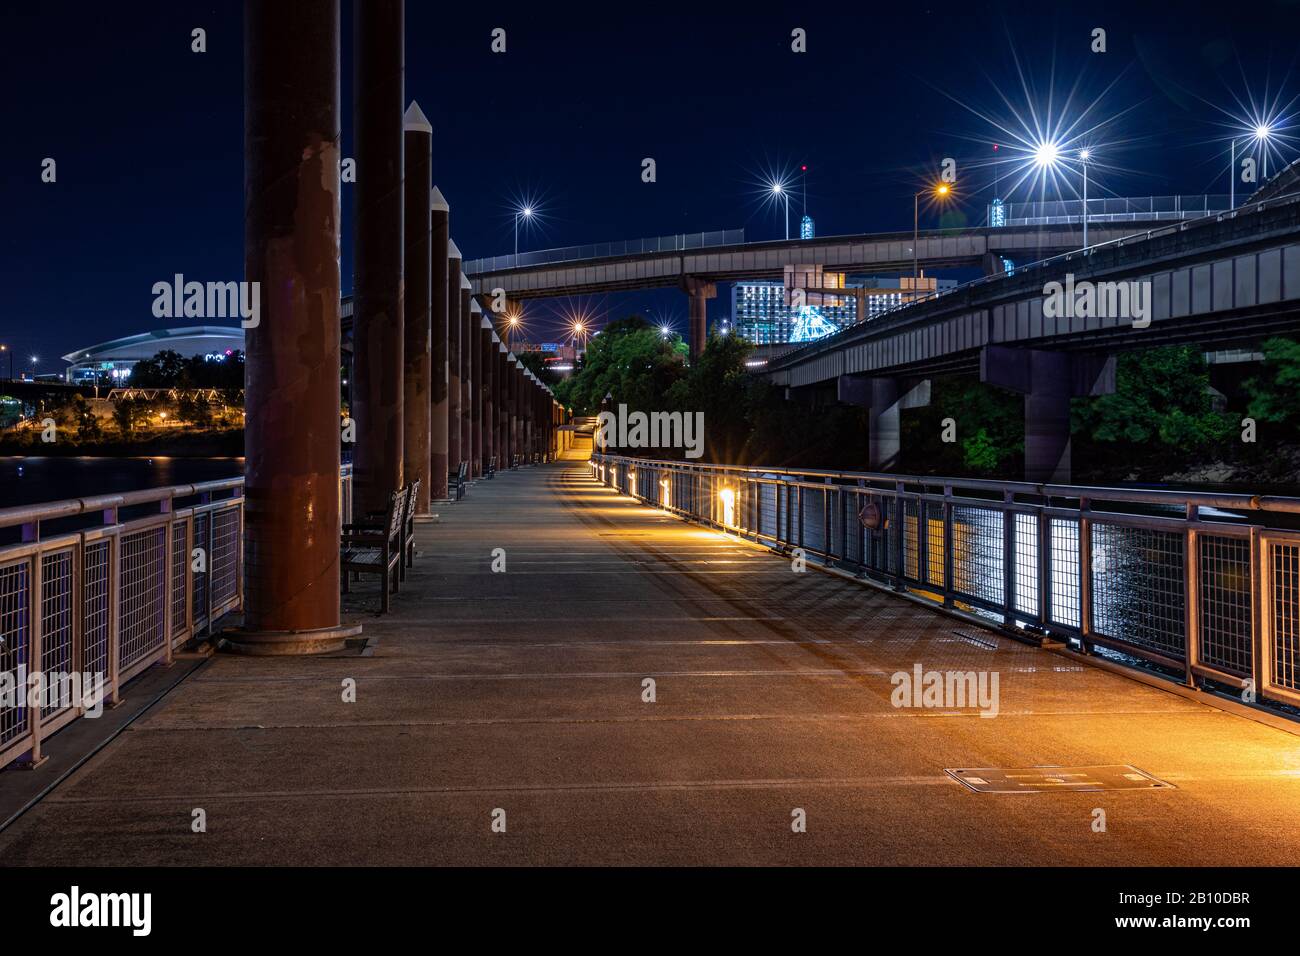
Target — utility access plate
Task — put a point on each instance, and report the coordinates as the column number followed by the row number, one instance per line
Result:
column 1055, row 779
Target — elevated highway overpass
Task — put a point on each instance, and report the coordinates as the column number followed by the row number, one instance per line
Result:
column 1223, row 281
column 695, row 263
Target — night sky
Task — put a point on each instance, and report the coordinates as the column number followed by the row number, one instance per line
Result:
column 148, row 136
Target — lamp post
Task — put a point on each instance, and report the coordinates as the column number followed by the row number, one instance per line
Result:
column 1084, row 154
column 526, row 212
column 511, row 322
column 1261, row 134
column 3, row 349
column 779, row 191
column 939, row 191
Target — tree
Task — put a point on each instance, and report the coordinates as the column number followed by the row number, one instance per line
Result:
column 87, row 422
column 126, row 414
column 1273, row 393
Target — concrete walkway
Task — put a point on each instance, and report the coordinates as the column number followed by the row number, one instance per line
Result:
column 522, row 692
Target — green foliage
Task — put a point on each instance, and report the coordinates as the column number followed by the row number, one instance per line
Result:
column 128, row 413
column 86, row 421
column 1274, row 395
column 630, row 361
column 1161, row 414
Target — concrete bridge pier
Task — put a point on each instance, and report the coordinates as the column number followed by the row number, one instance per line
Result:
column 476, row 389
column 1048, row 380
column 417, row 335
column 438, row 268
column 885, row 398
column 291, row 248
column 467, row 321
column 699, row 292
column 379, row 103
column 454, row 345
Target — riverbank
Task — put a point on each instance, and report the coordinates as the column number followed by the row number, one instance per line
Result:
column 223, row 443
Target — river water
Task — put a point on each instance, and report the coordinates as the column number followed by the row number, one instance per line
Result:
column 29, row 480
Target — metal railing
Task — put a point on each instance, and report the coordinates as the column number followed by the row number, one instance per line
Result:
column 1205, row 584
column 145, row 572
column 604, row 250
column 1110, row 209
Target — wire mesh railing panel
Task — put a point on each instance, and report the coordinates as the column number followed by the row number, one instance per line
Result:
column 812, row 509
column 141, row 625
column 1064, row 575
column 935, row 547
column 1224, row 592
column 978, row 568
column 199, row 582
column 180, row 579
column 838, row 543
column 911, row 540
column 57, row 608
column 767, row 513
column 1025, row 555
column 96, row 559
column 1283, row 560
column 15, row 647
column 1139, row 587
column 224, row 566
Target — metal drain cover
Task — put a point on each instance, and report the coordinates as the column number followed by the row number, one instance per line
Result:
column 1053, row 779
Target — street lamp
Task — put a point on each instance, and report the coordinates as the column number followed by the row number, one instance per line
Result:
column 779, row 191
column 1084, row 156
column 1261, row 134
column 527, row 213
column 941, row 190
column 3, row 349
column 35, row 360
column 512, row 323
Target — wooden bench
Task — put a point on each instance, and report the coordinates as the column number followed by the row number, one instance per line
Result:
column 376, row 548
column 456, row 481
column 491, row 467
column 410, row 500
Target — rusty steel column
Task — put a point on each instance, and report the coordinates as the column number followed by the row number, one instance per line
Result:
column 516, row 403
column 502, row 369
column 416, row 379
column 489, row 398
column 476, row 390
column 291, row 372
column 454, row 326
column 438, row 237
column 467, row 322
column 378, row 103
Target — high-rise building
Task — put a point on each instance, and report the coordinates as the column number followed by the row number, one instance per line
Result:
column 811, row 303
column 806, row 228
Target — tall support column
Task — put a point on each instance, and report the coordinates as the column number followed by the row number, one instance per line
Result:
column 514, row 407
column 417, row 336
column 502, row 403
column 468, row 321
column 291, row 375
column 378, row 103
column 700, row 292
column 489, row 394
column 1048, row 380
column 438, row 268
column 476, row 398
column 885, row 399
column 454, row 327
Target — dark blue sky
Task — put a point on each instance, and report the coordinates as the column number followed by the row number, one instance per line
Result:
column 149, row 136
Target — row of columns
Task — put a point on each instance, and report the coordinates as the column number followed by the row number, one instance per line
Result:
column 432, row 383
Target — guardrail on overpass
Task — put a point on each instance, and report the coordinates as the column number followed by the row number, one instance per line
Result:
column 1206, row 585
column 605, row 250
column 1110, row 209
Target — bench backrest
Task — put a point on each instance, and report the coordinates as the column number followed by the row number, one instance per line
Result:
column 396, row 513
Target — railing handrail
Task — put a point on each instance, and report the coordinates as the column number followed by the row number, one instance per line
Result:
column 69, row 507
column 1275, row 503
